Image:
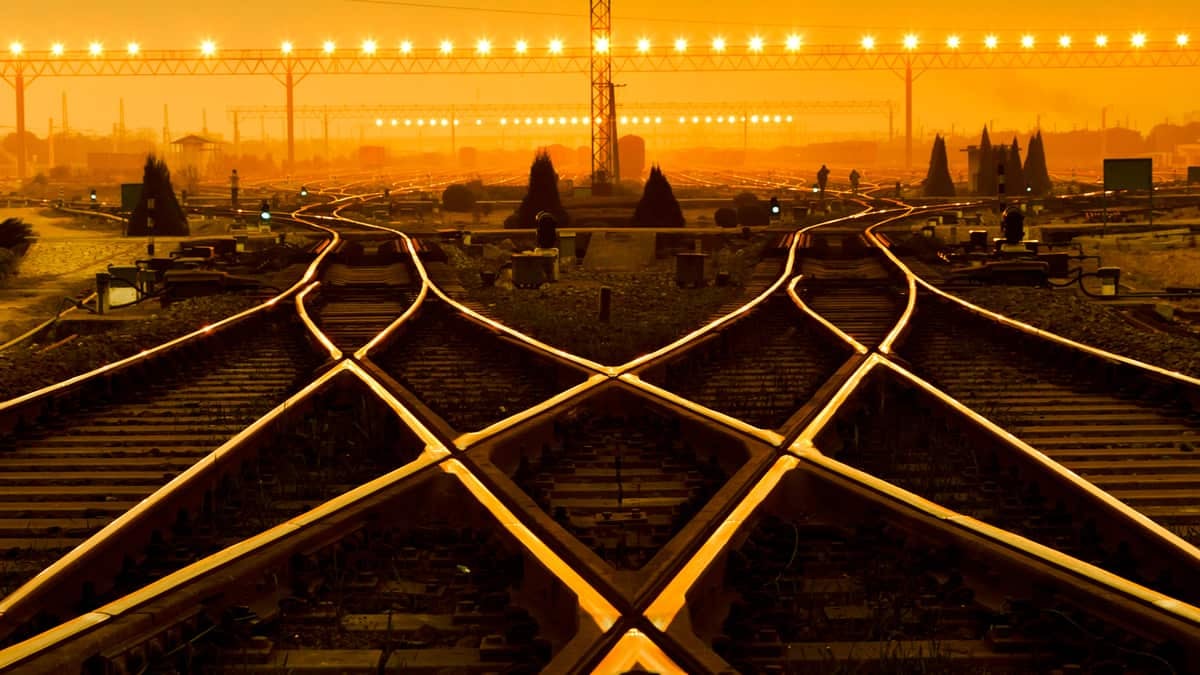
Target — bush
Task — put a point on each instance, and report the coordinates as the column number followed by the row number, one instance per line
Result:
column 542, row 195
column 169, row 218
column 754, row 215
column 658, row 206
column 8, row 263
column 459, row 199
column 15, row 235
column 745, row 199
column 726, row 217
column 938, row 182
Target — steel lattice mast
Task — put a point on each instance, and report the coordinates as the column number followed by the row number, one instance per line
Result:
column 603, row 124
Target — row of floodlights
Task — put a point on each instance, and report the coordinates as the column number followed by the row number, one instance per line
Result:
column 574, row 121
column 754, row 45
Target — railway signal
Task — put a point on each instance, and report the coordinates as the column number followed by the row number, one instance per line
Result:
column 265, row 213
column 776, row 210
column 93, row 195
column 303, row 191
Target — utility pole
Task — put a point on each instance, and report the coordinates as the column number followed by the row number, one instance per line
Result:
column 614, row 137
column 328, row 156
column 166, row 141
column 19, row 86
column 601, row 95
column 908, row 137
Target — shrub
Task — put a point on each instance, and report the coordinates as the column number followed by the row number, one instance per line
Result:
column 1036, row 173
column 658, row 206
column 458, row 198
column 937, row 179
column 745, row 199
column 15, row 235
column 754, row 215
column 541, row 196
column 726, row 217
column 169, row 218
column 8, row 263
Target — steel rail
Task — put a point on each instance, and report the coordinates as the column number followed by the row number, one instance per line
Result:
column 592, row 603
column 16, row 408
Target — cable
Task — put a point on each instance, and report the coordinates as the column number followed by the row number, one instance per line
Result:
column 1098, row 639
column 1078, row 272
column 708, row 22
column 795, row 550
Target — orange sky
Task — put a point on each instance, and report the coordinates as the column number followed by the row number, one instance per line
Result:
column 943, row 99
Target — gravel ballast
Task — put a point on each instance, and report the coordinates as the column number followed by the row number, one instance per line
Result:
column 1071, row 316
column 34, row 365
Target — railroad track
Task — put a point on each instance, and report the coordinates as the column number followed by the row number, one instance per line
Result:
column 358, row 301
column 623, row 481
column 844, row 279
column 65, row 477
column 555, row 540
column 906, row 437
column 761, row 369
column 466, row 373
column 831, row 584
column 1135, row 441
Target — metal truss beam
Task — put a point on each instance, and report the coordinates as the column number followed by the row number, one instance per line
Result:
column 21, row 69
column 604, row 127
column 314, row 62
column 569, row 108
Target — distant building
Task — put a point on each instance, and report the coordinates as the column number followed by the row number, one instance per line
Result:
column 632, row 151
column 194, row 151
column 1187, row 154
column 972, row 168
column 371, row 156
column 116, row 165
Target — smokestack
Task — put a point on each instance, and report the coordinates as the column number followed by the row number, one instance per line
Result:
column 204, row 121
column 166, row 142
column 50, row 145
column 121, row 126
column 66, row 126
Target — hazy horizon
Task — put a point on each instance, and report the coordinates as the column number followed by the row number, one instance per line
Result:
column 943, row 100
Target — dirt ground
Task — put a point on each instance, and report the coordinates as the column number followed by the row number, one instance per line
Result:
column 1148, row 267
column 64, row 260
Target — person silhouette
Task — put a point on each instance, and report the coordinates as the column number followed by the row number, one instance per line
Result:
column 823, row 178
column 854, row 176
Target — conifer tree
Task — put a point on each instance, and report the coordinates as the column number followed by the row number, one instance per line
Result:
column 1015, row 174
column 169, row 218
column 1036, row 172
column 938, row 182
column 542, row 195
column 986, row 183
column 658, row 206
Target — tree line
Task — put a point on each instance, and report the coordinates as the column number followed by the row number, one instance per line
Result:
column 998, row 165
